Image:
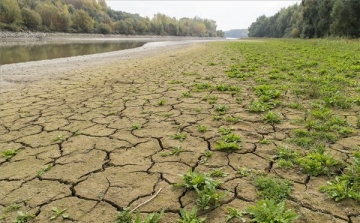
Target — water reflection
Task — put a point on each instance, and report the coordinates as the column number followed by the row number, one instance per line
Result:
column 35, row 51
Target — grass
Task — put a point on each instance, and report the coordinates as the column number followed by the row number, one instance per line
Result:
column 202, row 128
column 272, row 118
column 273, row 188
column 271, row 211
column 190, row 216
column 135, row 126
column 205, row 187
column 44, row 169
column 161, row 102
column 126, row 216
column 221, row 109
column 179, row 136
column 347, row 185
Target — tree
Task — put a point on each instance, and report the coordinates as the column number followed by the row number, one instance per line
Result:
column 10, row 12
column 48, row 15
column 82, row 21
column 32, row 19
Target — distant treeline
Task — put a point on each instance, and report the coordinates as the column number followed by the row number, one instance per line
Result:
column 236, row 33
column 311, row 19
column 94, row 16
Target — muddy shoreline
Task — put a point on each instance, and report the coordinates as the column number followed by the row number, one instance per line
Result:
column 19, row 75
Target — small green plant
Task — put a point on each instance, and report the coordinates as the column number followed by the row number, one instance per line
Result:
column 22, row 217
column 317, row 162
column 210, row 98
column 194, row 179
column 190, row 217
column 44, row 169
column 222, row 87
column 161, row 102
column 8, row 154
column 208, row 153
column 265, row 141
column 225, row 131
column 271, row 211
column 208, row 196
column 150, row 218
column 273, row 188
column 175, row 82
column 245, row 171
column 58, row 138
column 231, row 137
column 135, row 126
column 12, row 207
column 221, row 109
column 125, row 216
column 180, row 136
column 217, row 118
column 186, row 95
column 233, row 119
column 272, row 118
column 219, row 172
column 176, row 151
column 346, row 185
column 222, row 145
column 202, row 128
column 57, row 213
column 286, row 157
column 233, row 213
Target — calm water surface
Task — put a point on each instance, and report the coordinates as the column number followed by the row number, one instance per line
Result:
column 17, row 53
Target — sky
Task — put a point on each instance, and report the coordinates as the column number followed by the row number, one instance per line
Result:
column 227, row 14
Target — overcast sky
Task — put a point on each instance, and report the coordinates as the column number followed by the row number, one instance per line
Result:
column 227, row 14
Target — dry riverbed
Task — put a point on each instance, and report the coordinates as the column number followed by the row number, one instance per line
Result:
column 95, row 134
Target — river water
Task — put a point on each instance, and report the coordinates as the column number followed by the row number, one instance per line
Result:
column 34, row 51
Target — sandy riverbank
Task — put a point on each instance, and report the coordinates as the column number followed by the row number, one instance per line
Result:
column 16, row 76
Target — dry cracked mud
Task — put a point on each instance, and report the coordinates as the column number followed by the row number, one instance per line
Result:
column 104, row 131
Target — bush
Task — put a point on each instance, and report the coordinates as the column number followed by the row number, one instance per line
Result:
column 32, row 19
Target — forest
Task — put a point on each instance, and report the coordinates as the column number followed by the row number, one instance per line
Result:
column 94, row 16
column 311, row 19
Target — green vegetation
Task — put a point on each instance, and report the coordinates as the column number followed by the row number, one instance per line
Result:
column 315, row 162
column 135, row 126
column 311, row 19
column 219, row 172
column 161, row 102
column 44, row 169
column 205, row 187
column 221, row 109
column 8, row 153
column 125, row 216
column 22, row 217
column 96, row 17
column 190, row 216
column 228, row 140
column 180, row 136
column 273, row 188
column 232, row 214
column 271, row 211
column 272, row 118
column 346, row 185
column 202, row 128
column 57, row 213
